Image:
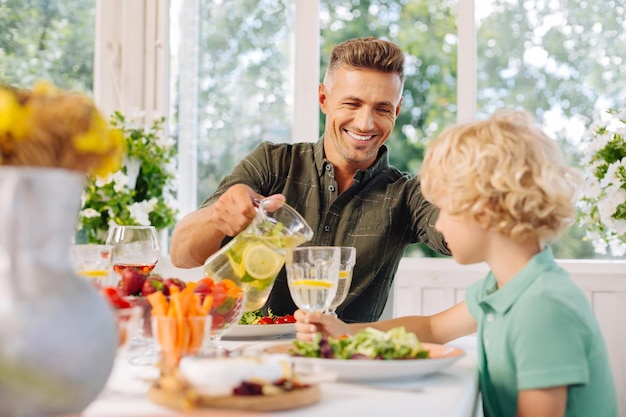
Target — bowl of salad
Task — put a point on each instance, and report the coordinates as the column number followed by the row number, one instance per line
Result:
column 370, row 354
column 262, row 324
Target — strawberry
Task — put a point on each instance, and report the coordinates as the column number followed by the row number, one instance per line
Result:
column 114, row 297
column 153, row 284
column 132, row 281
column 174, row 282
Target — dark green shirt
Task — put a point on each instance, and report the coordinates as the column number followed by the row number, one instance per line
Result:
column 380, row 214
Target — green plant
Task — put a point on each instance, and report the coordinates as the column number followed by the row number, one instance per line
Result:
column 141, row 192
column 603, row 202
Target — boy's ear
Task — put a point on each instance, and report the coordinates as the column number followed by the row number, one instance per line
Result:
column 483, row 219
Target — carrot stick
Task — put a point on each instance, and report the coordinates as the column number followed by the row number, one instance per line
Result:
column 159, row 303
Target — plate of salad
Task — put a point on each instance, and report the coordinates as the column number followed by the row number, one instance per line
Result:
column 259, row 324
column 370, row 354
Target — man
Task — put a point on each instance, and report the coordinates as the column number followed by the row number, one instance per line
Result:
column 342, row 185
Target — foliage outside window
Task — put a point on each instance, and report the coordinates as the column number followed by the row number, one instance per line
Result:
column 141, row 192
column 47, row 40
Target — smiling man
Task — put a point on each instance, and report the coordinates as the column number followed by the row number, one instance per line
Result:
column 342, row 185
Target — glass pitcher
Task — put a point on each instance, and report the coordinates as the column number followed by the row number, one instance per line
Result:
column 253, row 258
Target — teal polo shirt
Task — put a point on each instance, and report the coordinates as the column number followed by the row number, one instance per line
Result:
column 538, row 331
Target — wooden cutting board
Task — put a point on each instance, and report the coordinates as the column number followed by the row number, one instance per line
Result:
column 182, row 401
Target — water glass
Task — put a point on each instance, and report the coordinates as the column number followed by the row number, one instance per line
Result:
column 348, row 259
column 312, row 276
column 92, row 262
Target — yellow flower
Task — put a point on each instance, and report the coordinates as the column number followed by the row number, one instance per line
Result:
column 50, row 127
column 112, row 162
column 44, row 88
column 96, row 139
column 9, row 110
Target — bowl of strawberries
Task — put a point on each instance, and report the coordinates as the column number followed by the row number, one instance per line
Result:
column 135, row 286
column 227, row 305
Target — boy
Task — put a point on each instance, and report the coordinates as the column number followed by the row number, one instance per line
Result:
column 503, row 192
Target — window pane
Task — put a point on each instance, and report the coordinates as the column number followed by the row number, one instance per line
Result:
column 244, row 82
column 561, row 60
column 51, row 40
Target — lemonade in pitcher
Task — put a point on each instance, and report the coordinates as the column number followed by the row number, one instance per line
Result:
column 254, row 258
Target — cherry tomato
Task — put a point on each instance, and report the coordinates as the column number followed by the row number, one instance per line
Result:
column 266, row 320
column 285, row 319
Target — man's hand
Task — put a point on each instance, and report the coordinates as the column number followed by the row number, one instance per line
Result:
column 234, row 210
column 200, row 233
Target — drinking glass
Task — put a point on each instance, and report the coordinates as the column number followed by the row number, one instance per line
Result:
column 137, row 247
column 134, row 246
column 346, row 264
column 171, row 345
column 92, row 262
column 312, row 275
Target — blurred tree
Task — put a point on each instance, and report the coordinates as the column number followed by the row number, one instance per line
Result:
column 245, row 94
column 47, row 39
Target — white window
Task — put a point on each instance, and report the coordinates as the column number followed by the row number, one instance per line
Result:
column 231, row 73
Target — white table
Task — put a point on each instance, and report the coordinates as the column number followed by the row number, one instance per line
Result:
column 452, row 392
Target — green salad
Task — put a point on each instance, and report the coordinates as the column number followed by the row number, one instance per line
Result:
column 368, row 343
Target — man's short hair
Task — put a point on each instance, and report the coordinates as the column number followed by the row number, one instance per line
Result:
column 366, row 53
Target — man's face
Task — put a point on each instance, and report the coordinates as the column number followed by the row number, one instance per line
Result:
column 361, row 107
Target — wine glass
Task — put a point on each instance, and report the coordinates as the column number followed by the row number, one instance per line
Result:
column 346, row 264
column 136, row 247
column 312, row 276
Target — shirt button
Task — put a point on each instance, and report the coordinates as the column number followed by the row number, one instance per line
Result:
column 331, row 188
column 327, row 167
column 490, row 317
column 327, row 228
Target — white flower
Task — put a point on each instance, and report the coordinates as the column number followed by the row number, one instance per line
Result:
column 89, row 213
column 141, row 191
column 140, row 211
column 121, row 182
column 618, row 248
column 132, row 165
column 602, row 208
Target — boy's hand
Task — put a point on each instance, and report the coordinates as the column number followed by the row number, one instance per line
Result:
column 308, row 324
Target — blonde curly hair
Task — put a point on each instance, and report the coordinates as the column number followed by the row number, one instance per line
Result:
column 506, row 173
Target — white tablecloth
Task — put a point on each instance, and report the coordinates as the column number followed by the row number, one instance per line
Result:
column 452, row 392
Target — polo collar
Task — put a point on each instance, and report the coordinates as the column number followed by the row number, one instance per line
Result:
column 502, row 299
column 381, row 163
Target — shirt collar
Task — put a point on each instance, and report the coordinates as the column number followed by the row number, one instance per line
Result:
column 381, row 163
column 501, row 299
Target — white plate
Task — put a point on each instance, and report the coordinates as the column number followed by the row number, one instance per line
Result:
column 247, row 331
column 441, row 356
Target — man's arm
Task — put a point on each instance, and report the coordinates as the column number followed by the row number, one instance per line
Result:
column 200, row 233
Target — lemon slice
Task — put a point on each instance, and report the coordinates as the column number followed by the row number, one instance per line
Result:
column 261, row 262
column 312, row 283
column 237, row 268
column 94, row 273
